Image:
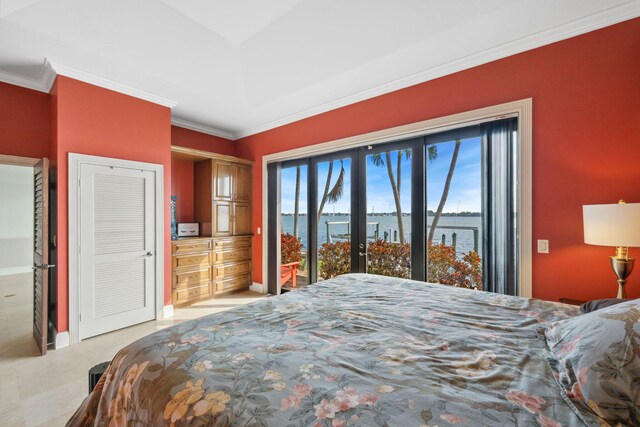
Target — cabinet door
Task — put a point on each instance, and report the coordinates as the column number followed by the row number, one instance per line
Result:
column 222, row 180
column 222, row 224
column 242, row 183
column 241, row 218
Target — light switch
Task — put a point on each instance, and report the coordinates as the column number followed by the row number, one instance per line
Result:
column 543, row 246
column 259, row 231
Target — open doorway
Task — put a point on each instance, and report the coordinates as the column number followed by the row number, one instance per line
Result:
column 16, row 260
column 25, row 248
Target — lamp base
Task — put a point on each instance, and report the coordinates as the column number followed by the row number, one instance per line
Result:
column 622, row 267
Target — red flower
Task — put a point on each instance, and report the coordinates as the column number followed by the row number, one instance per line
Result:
column 532, row 404
column 452, row 419
column 368, row 399
column 301, row 390
column 289, row 402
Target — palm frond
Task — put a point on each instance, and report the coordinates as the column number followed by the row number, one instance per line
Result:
column 432, row 152
column 336, row 192
column 377, row 159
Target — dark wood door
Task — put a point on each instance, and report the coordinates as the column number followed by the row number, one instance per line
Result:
column 41, row 253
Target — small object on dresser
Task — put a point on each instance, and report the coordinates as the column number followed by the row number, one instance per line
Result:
column 188, row 229
column 96, row 373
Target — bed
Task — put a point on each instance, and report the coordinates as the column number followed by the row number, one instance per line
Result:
column 356, row 350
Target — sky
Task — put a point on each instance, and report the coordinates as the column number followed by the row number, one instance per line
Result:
column 464, row 194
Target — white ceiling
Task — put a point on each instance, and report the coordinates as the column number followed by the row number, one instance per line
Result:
column 238, row 67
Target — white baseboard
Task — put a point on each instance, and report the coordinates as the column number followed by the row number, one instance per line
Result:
column 167, row 311
column 257, row 287
column 62, row 340
column 7, row 271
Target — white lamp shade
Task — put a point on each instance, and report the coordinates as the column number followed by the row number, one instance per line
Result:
column 612, row 225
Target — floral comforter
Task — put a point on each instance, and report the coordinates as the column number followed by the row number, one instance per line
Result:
column 357, row 350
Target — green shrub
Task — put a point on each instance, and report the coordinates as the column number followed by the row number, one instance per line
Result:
column 394, row 259
column 334, row 259
column 389, row 259
column 290, row 248
column 445, row 268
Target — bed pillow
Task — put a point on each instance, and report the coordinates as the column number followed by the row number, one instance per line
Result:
column 596, row 360
column 597, row 304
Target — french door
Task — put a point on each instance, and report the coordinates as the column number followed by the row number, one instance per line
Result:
column 440, row 208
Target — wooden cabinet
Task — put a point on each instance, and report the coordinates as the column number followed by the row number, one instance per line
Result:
column 241, row 222
column 223, row 198
column 191, row 268
column 223, row 180
column 242, row 183
column 220, row 260
column 205, row 267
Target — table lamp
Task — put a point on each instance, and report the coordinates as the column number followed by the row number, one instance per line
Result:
column 614, row 225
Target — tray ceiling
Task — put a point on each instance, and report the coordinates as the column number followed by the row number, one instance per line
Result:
column 237, row 67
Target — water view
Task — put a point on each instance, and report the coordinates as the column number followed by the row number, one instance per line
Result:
column 338, row 228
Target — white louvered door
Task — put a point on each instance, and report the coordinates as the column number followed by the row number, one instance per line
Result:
column 117, row 262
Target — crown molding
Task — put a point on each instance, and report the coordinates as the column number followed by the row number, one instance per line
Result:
column 42, row 84
column 589, row 23
column 102, row 82
column 202, row 128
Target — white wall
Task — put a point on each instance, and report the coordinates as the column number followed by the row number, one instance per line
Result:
column 16, row 219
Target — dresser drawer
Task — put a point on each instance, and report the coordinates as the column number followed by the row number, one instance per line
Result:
column 193, row 260
column 230, row 255
column 231, row 243
column 240, row 282
column 231, row 269
column 191, row 278
column 183, row 296
column 191, row 246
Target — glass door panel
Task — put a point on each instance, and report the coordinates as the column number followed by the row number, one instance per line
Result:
column 388, row 240
column 293, row 237
column 454, row 213
column 334, row 217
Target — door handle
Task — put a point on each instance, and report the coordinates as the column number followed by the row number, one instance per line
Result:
column 43, row 266
column 148, row 254
column 362, row 253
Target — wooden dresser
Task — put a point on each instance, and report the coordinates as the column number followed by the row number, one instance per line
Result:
column 220, row 260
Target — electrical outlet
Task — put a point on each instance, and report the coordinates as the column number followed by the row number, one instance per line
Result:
column 543, row 246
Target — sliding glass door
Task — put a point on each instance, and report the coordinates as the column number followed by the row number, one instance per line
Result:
column 334, row 222
column 439, row 208
column 388, row 212
column 294, row 218
column 454, row 208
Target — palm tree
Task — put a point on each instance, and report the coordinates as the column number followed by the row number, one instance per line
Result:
column 335, row 193
column 396, row 179
column 445, row 191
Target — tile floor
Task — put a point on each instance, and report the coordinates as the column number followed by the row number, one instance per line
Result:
column 45, row 391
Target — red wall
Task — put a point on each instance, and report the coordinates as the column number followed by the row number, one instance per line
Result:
column 24, row 122
column 182, row 171
column 100, row 122
column 586, row 147
column 201, row 141
column 182, row 186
